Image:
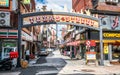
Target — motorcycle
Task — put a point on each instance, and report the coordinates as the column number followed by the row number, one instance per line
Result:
column 6, row 64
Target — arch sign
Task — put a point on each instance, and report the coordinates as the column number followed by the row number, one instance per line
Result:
column 49, row 17
column 43, row 18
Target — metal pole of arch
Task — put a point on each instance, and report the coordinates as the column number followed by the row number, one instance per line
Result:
column 19, row 39
column 101, row 46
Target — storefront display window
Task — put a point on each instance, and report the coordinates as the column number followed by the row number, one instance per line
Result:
column 116, row 52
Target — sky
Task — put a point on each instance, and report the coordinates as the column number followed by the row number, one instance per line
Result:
column 57, row 5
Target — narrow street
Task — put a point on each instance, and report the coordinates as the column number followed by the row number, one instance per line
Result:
column 57, row 64
column 42, row 66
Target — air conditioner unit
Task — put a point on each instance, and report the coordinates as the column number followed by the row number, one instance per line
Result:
column 4, row 19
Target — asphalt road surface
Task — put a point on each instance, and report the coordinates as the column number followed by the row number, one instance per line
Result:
column 45, row 65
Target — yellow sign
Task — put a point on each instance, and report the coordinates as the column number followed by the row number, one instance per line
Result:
column 106, row 49
column 26, row 1
column 112, row 35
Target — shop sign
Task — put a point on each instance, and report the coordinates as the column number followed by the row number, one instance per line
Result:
column 4, row 3
column 110, row 22
column 90, row 55
column 92, row 43
column 88, row 43
column 111, row 35
column 13, row 54
column 116, row 22
column 9, row 44
column 63, row 18
column 26, row 36
column 106, row 49
column 77, row 37
column 8, row 33
column 74, row 43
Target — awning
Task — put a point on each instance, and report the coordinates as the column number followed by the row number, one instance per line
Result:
column 74, row 43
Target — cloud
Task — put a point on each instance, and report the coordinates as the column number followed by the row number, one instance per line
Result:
column 55, row 4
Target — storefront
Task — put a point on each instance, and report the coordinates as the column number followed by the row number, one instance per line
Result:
column 111, row 43
column 8, row 38
column 28, row 44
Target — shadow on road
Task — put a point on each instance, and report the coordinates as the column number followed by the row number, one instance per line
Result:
column 43, row 66
column 41, row 60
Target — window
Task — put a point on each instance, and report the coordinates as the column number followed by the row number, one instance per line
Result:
column 116, row 52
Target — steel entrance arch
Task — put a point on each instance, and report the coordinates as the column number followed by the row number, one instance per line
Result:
column 69, row 18
column 49, row 17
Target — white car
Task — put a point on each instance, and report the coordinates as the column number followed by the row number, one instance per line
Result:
column 43, row 51
column 49, row 49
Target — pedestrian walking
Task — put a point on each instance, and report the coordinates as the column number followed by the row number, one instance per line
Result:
column 27, row 55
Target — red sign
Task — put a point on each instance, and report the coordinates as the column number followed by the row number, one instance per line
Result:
column 92, row 43
column 116, row 22
column 13, row 54
column 75, row 43
column 88, row 43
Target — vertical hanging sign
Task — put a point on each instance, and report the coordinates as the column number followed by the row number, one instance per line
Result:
column 26, row 1
column 106, row 49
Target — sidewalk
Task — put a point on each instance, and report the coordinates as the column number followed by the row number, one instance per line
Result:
column 79, row 67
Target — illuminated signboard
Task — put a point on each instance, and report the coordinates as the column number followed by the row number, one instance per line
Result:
column 4, row 3
column 111, row 35
column 64, row 18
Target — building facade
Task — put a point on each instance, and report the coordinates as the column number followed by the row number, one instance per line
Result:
column 9, row 10
column 109, row 21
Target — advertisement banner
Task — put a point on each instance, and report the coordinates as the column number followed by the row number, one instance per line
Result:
column 4, row 3
column 106, row 49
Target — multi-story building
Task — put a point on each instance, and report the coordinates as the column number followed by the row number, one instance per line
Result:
column 108, row 12
column 9, row 10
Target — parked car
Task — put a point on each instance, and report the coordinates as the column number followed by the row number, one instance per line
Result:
column 43, row 51
column 49, row 49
